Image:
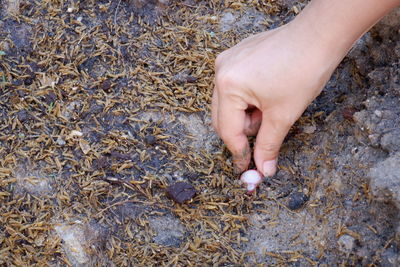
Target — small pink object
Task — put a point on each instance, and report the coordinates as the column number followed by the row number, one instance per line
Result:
column 251, row 178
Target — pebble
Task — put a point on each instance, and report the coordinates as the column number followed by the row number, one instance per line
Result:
column 106, row 86
column 28, row 81
column 297, row 200
column 101, row 163
column 23, row 115
column 150, row 139
column 60, row 141
column 346, row 243
column 309, row 129
column 181, row 192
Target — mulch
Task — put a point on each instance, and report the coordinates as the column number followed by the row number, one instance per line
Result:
column 76, row 78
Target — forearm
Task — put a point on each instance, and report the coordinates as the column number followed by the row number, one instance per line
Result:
column 334, row 25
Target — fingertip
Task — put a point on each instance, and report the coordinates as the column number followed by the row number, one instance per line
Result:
column 269, row 168
column 265, row 157
column 241, row 158
column 268, row 143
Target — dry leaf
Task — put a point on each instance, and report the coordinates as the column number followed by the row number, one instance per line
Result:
column 84, row 146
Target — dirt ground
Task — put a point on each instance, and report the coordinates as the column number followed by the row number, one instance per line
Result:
column 104, row 104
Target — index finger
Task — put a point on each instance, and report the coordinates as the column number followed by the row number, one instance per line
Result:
column 231, row 125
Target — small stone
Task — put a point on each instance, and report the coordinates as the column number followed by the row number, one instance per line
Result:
column 28, row 81
column 227, row 21
column 101, row 163
column 309, row 129
column 346, row 243
column 150, row 139
column 50, row 98
column 73, row 243
column 181, row 192
column 385, row 179
column 297, row 200
column 391, row 256
column 23, row 115
column 378, row 113
column 191, row 79
column 75, row 133
column 168, row 229
column 106, row 86
column 60, row 141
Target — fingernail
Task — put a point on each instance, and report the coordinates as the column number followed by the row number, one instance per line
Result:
column 269, row 168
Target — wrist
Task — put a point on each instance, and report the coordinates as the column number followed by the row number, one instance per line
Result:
column 329, row 40
column 332, row 27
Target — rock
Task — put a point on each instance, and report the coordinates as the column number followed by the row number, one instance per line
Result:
column 50, row 98
column 169, row 230
column 181, row 192
column 227, row 21
column 309, row 129
column 297, row 200
column 101, row 163
column 33, row 182
column 60, row 141
column 184, row 77
column 23, row 115
column 390, row 141
column 96, row 235
column 28, row 81
column 73, row 243
column 106, row 86
column 13, row 7
column 391, row 256
column 346, row 243
column 70, row 109
column 79, row 239
column 249, row 19
column 121, row 156
column 381, row 121
column 150, row 139
column 385, row 179
column 202, row 135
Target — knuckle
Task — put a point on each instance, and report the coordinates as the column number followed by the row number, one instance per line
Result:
column 224, row 81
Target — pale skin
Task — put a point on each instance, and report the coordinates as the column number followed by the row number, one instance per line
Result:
column 276, row 74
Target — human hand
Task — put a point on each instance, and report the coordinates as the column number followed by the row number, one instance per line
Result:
column 262, row 86
column 264, row 83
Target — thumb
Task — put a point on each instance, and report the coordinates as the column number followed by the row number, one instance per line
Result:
column 269, row 140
